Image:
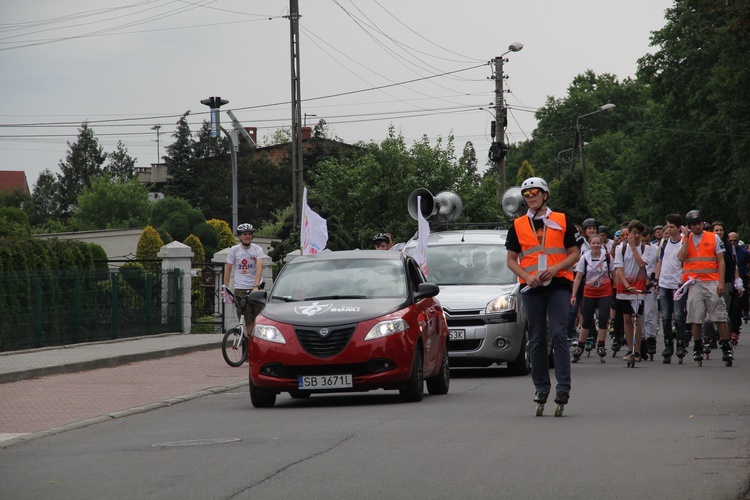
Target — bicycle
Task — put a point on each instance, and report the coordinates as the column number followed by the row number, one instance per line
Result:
column 235, row 341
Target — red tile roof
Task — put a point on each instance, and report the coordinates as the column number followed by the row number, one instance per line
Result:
column 13, row 179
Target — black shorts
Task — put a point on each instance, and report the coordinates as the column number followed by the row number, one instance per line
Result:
column 625, row 306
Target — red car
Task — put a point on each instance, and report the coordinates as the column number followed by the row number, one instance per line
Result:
column 345, row 322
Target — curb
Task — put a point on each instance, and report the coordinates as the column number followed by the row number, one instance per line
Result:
column 121, row 414
column 104, row 362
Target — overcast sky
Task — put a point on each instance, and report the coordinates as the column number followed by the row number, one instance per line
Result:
column 365, row 64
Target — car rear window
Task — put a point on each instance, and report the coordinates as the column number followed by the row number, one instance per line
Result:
column 468, row 264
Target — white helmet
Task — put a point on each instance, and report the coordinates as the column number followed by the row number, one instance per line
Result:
column 535, row 182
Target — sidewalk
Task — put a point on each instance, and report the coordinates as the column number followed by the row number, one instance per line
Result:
column 21, row 365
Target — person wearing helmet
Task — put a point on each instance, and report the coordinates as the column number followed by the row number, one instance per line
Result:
column 590, row 227
column 245, row 267
column 702, row 256
column 658, row 234
column 542, row 247
column 381, row 241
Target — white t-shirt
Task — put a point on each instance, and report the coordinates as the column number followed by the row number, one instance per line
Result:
column 670, row 276
column 630, row 268
column 244, row 264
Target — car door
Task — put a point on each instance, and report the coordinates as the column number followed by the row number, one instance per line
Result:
column 429, row 308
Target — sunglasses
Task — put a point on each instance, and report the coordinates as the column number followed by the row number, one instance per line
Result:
column 530, row 192
column 734, row 241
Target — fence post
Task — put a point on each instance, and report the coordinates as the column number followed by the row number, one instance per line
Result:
column 177, row 256
column 115, row 305
column 149, row 305
column 38, row 340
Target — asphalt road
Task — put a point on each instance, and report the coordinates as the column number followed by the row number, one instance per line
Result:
column 654, row 431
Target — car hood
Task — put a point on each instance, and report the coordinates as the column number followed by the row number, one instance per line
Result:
column 331, row 312
column 470, row 296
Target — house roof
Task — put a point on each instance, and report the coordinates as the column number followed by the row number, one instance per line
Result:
column 13, row 179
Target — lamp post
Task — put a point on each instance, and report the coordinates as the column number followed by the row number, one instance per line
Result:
column 234, row 144
column 579, row 136
column 580, row 144
column 499, row 149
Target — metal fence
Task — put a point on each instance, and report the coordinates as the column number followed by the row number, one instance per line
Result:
column 47, row 308
column 208, row 309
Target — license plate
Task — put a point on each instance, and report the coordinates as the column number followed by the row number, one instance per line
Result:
column 322, row 382
column 457, row 334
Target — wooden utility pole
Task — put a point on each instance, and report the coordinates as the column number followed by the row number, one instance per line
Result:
column 297, row 170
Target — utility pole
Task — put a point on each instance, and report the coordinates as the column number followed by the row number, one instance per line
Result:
column 498, row 149
column 157, row 127
column 297, row 170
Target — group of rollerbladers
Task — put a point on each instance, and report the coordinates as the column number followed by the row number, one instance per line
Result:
column 692, row 274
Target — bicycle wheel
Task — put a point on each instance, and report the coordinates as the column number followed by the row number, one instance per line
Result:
column 234, row 348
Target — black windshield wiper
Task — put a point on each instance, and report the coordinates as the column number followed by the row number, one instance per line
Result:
column 285, row 299
column 336, row 297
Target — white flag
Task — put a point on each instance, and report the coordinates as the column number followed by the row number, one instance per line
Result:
column 314, row 230
column 423, row 234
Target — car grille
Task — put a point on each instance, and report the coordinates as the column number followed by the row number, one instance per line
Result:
column 315, row 345
column 464, row 345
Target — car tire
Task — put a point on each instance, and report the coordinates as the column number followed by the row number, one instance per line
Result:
column 522, row 364
column 440, row 383
column 413, row 392
column 260, row 398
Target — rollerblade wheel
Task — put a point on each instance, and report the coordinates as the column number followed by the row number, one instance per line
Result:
column 679, row 361
column 667, row 360
column 559, row 410
column 539, row 410
column 728, row 362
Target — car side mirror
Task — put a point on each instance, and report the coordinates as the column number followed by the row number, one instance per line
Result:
column 425, row 290
column 258, row 296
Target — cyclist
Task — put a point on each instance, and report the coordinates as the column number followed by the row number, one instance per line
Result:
column 246, row 260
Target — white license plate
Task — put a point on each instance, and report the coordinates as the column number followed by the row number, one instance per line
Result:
column 323, row 382
column 457, row 335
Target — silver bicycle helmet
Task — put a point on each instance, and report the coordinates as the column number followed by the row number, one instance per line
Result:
column 245, row 228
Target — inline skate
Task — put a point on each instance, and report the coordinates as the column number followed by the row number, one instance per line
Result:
column 650, row 348
column 706, row 346
column 540, row 398
column 561, row 399
column 698, row 351
column 601, row 351
column 668, row 351
column 589, row 346
column 577, row 352
column 681, row 351
column 727, row 353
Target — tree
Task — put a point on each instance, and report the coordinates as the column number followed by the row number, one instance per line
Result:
column 148, row 246
column 45, row 199
column 207, row 146
column 83, row 163
column 164, row 207
column 121, row 166
column 179, row 161
column 111, row 205
column 224, row 233
column 468, row 162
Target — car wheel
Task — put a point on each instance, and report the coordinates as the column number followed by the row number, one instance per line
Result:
column 299, row 394
column 414, row 389
column 522, row 364
column 440, row 383
column 261, row 398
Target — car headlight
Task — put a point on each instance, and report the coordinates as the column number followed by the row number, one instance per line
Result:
column 385, row 328
column 503, row 303
column 269, row 333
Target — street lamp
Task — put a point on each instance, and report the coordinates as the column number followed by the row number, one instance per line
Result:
column 234, row 144
column 499, row 149
column 579, row 136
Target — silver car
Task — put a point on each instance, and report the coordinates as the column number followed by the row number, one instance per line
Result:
column 480, row 297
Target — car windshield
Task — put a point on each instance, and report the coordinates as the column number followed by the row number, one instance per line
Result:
column 340, row 279
column 468, row 264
